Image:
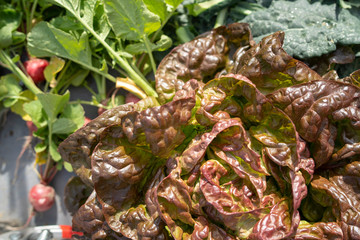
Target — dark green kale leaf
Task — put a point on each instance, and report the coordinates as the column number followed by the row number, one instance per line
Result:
column 311, row 29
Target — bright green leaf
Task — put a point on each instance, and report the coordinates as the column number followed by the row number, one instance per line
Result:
column 158, row 7
column 68, row 167
column 162, row 44
column 174, row 3
column 9, row 89
column 66, row 23
column 9, row 21
column 131, row 19
column 53, row 104
column 18, row 37
column 100, row 23
column 34, row 110
column 54, row 152
column 18, row 107
column 63, row 126
column 40, row 147
column 55, row 42
column 56, row 65
column 16, row 58
column 76, row 113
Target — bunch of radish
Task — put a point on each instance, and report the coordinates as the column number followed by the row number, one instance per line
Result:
column 35, row 69
column 42, row 197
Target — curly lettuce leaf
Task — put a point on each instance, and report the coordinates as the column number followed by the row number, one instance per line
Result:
column 340, row 191
column 90, row 220
column 129, row 153
column 75, row 194
column 269, row 67
column 318, row 231
column 78, row 147
column 198, row 59
column 321, row 111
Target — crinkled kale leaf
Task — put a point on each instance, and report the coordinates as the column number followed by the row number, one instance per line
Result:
column 312, row 29
column 249, row 143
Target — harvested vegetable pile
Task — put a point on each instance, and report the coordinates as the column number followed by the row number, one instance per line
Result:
column 249, row 143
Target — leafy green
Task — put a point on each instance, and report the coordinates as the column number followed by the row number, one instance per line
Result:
column 64, row 126
column 310, row 29
column 35, row 111
column 158, row 7
column 161, row 45
column 9, row 90
column 249, row 143
column 131, row 19
column 9, row 21
column 53, row 103
column 55, row 42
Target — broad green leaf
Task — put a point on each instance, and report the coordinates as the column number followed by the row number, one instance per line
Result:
column 18, row 37
column 163, row 44
column 68, row 167
column 70, row 5
column 90, row 11
column 9, row 21
column 158, row 7
column 56, row 65
column 55, row 42
column 83, row 8
column 131, row 20
column 66, row 23
column 100, row 23
column 53, row 104
column 54, row 152
column 34, row 110
column 174, row 3
column 64, row 126
column 18, row 107
column 16, row 58
column 76, row 113
column 40, row 147
column 9, row 90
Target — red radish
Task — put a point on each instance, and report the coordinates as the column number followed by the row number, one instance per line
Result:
column 131, row 98
column 42, row 197
column 35, row 68
column 87, row 120
column 31, row 126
